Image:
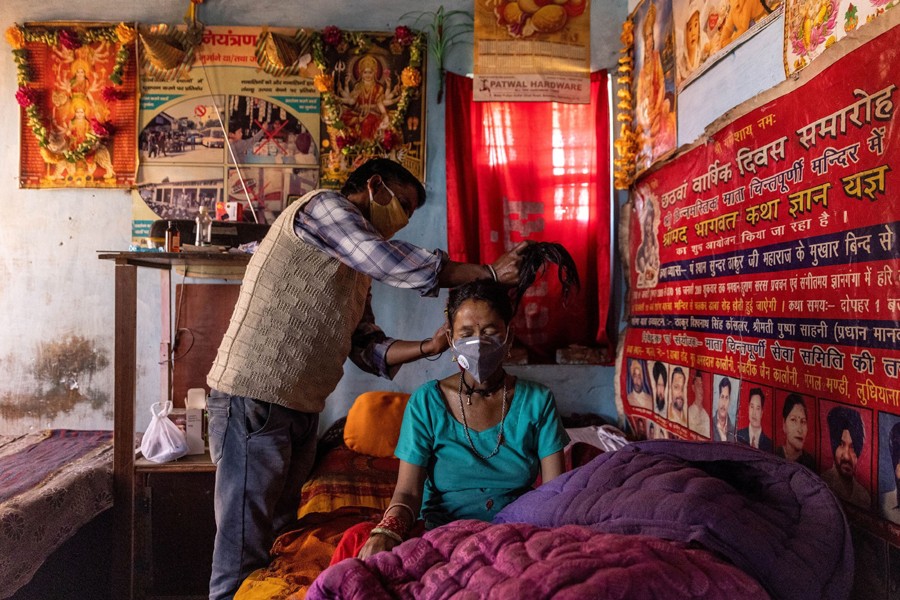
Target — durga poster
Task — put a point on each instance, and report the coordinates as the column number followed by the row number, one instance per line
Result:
column 76, row 88
column 373, row 100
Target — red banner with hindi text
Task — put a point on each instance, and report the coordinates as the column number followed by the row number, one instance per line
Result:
column 765, row 282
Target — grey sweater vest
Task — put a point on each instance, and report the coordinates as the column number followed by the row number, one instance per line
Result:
column 291, row 329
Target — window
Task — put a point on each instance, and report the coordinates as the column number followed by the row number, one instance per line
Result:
column 535, row 171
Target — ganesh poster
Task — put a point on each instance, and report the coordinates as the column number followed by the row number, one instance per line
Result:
column 764, row 272
column 532, row 50
column 229, row 120
column 78, row 98
column 812, row 26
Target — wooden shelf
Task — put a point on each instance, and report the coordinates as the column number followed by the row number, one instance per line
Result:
column 196, row 463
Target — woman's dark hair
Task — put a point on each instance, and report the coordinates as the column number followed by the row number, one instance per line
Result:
column 790, row 402
column 389, row 170
column 495, row 294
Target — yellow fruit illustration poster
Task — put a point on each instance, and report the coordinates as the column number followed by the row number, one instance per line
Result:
column 532, row 50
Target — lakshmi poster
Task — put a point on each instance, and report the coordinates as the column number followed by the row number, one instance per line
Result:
column 373, row 100
column 78, row 98
column 654, row 83
column 812, row 26
column 532, row 51
column 220, row 123
column 764, row 272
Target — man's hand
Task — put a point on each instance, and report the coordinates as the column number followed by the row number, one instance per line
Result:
column 508, row 265
column 438, row 342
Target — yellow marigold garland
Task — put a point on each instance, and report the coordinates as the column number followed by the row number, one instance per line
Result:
column 626, row 144
column 410, row 77
column 27, row 96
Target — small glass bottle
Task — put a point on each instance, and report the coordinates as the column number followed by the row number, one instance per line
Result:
column 203, row 224
column 173, row 238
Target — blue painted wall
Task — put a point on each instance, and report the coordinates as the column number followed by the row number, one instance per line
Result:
column 52, row 286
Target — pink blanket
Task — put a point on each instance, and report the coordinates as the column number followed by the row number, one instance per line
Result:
column 472, row 559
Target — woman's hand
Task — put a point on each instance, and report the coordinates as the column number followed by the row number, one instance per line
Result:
column 376, row 543
column 507, row 266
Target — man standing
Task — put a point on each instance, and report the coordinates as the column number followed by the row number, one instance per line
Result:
column 676, row 406
column 698, row 417
column 724, row 430
column 753, row 435
column 303, row 309
column 845, row 428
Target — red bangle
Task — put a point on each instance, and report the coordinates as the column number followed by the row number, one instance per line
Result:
column 394, row 524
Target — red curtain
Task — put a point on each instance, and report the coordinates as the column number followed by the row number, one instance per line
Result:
column 535, row 171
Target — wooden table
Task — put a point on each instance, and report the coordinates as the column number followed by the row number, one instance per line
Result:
column 129, row 472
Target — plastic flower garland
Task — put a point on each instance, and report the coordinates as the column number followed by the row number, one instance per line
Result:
column 410, row 78
column 70, row 39
column 627, row 144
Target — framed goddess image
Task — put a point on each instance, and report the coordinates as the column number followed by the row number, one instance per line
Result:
column 654, row 84
column 372, row 100
column 78, row 97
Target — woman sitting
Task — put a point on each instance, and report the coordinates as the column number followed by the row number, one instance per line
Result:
column 472, row 442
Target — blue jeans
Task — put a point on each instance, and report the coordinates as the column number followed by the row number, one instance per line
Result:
column 264, row 453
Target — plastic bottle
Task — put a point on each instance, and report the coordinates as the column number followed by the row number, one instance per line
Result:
column 203, row 224
column 173, row 238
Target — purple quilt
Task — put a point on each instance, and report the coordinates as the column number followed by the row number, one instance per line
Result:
column 656, row 519
column 774, row 519
column 474, row 560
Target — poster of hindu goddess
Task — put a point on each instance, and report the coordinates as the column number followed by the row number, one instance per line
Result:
column 77, row 92
column 372, row 100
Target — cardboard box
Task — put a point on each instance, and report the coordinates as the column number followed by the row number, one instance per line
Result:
column 229, row 211
column 190, row 421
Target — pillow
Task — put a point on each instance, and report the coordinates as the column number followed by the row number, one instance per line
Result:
column 373, row 423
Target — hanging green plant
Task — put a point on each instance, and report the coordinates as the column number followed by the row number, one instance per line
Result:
column 445, row 29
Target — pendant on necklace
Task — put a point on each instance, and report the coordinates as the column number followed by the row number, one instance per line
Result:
column 469, row 400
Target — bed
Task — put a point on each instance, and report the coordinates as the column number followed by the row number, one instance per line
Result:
column 353, row 481
column 52, row 482
column 656, row 519
column 652, row 519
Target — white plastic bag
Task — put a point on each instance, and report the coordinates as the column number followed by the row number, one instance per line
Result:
column 163, row 441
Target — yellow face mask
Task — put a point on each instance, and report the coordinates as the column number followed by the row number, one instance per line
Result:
column 390, row 218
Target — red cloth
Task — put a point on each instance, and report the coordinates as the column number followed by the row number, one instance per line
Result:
column 535, row 171
column 356, row 537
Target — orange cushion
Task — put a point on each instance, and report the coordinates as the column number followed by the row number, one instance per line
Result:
column 373, row 423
